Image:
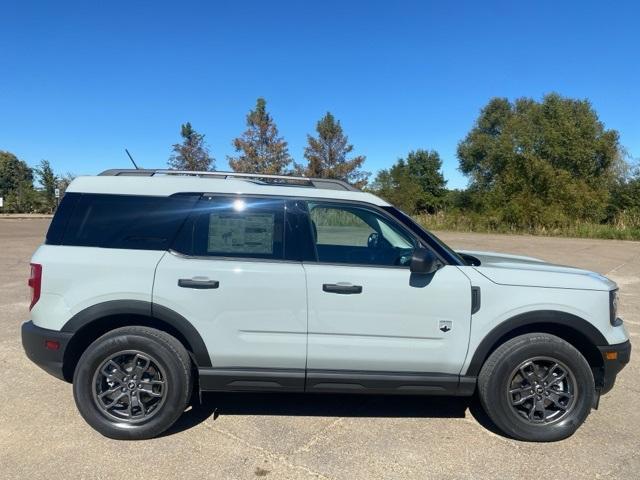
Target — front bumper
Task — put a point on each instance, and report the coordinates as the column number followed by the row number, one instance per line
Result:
column 40, row 346
column 614, row 358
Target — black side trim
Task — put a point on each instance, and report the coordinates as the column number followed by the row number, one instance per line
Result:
column 475, row 300
column 251, row 379
column 613, row 308
column 184, row 326
column 106, row 309
column 540, row 317
column 467, row 386
column 33, row 342
column 612, row 367
column 144, row 309
column 236, row 379
column 398, row 383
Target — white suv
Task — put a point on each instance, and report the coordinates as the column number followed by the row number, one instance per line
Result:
column 152, row 284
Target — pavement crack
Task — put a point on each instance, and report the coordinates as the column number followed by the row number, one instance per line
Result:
column 632, row 259
column 275, row 457
column 322, row 434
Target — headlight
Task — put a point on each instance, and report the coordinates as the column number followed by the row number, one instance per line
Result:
column 613, row 308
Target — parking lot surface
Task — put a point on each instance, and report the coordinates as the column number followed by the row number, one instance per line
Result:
column 252, row 436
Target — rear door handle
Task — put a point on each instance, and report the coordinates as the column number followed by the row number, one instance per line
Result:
column 342, row 288
column 200, row 284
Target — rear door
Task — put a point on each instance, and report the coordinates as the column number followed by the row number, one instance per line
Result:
column 227, row 275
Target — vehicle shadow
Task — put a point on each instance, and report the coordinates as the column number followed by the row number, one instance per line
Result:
column 214, row 405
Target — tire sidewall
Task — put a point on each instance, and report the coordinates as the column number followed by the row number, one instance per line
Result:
column 175, row 389
column 510, row 422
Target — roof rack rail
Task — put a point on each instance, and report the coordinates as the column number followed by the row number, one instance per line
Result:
column 280, row 180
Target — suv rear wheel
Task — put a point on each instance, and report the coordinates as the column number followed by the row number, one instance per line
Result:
column 537, row 387
column 133, row 383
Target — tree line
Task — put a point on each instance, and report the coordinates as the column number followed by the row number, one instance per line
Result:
column 531, row 165
column 261, row 149
column 17, row 188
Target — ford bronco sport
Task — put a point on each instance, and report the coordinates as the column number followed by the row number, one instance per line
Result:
column 152, row 284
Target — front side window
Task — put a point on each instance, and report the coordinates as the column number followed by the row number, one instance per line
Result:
column 234, row 227
column 356, row 235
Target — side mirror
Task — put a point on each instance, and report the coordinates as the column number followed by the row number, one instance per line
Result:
column 423, row 261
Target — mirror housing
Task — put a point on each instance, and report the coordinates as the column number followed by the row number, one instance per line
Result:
column 423, row 261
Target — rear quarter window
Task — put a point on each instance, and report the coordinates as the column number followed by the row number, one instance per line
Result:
column 126, row 221
column 61, row 218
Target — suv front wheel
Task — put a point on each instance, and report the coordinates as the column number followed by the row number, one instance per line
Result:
column 133, row 383
column 537, row 387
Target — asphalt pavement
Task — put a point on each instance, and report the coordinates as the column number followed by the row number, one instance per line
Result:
column 248, row 436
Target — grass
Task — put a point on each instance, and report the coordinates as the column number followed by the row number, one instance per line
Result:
column 624, row 227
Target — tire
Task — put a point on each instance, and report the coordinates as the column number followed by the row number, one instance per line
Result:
column 514, row 394
column 133, row 383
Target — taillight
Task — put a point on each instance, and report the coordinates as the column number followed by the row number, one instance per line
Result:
column 35, row 283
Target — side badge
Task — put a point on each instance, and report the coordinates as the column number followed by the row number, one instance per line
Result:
column 445, row 325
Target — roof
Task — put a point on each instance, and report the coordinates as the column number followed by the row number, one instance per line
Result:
column 165, row 183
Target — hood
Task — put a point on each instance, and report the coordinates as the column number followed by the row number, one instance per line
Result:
column 506, row 269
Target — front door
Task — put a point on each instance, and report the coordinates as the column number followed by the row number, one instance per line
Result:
column 367, row 311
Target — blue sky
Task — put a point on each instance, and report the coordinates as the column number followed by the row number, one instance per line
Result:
column 81, row 81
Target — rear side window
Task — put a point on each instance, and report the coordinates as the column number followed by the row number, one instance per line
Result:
column 60, row 220
column 234, row 227
column 126, row 221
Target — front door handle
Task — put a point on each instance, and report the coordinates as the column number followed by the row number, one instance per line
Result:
column 342, row 288
column 197, row 283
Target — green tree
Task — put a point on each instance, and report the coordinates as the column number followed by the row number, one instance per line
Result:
column 625, row 194
column 424, row 167
column 13, row 172
column 541, row 163
column 260, row 148
column 416, row 184
column 193, row 153
column 327, row 155
column 49, row 182
column 16, row 184
column 65, row 180
column 398, row 187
